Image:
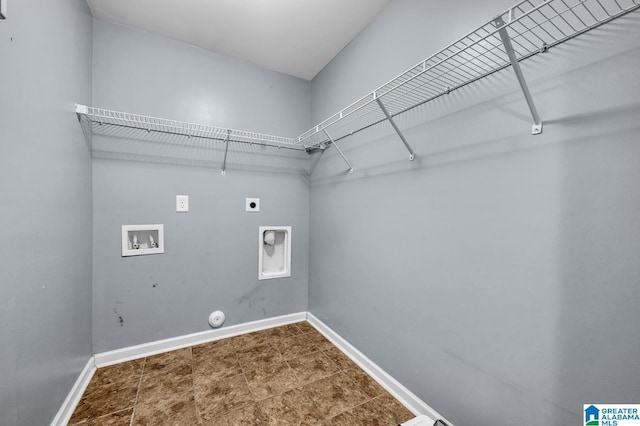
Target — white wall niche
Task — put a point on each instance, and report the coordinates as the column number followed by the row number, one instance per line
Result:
column 139, row 240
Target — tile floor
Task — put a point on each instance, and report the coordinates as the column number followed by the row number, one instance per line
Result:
column 289, row 375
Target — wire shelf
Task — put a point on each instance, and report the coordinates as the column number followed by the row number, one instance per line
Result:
column 109, row 123
column 533, row 26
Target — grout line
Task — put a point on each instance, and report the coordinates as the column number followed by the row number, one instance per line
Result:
column 82, row 423
column 193, row 384
column 294, row 375
column 340, row 368
column 271, row 344
column 249, row 387
column 407, row 398
column 358, row 405
column 368, row 399
column 135, row 402
column 313, row 401
column 244, row 373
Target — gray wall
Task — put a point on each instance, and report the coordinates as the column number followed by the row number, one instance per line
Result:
column 499, row 269
column 496, row 275
column 45, row 182
column 211, row 253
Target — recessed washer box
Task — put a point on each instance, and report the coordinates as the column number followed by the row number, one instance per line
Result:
column 139, row 240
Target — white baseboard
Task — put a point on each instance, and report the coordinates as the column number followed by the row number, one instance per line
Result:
column 72, row 400
column 152, row 348
column 401, row 393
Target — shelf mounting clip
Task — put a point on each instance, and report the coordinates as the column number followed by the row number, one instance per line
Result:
column 536, row 129
column 339, row 150
column 412, row 155
column 226, row 149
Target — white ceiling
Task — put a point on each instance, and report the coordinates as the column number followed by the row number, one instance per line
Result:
column 296, row 37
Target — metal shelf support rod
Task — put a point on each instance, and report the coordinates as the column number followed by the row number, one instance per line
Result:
column 226, row 149
column 536, row 129
column 339, row 150
column 412, row 155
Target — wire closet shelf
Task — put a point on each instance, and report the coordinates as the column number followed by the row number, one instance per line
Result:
column 107, row 122
column 532, row 27
column 528, row 28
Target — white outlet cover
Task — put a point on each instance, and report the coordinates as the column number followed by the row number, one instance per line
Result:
column 3, row 9
column 252, row 205
column 182, row 203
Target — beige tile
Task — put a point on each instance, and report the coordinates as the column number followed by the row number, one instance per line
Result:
column 340, row 359
column 271, row 380
column 130, row 370
column 293, row 407
column 392, row 406
column 335, row 394
column 250, row 340
column 217, row 348
column 319, row 340
column 214, row 366
column 288, row 375
column 101, row 400
column 365, row 383
column 312, row 367
column 214, row 398
column 246, row 416
column 305, row 327
column 120, row 418
column 294, row 346
column 382, row 411
column 161, row 363
column 284, row 331
column 179, row 410
column 258, row 357
column 164, row 386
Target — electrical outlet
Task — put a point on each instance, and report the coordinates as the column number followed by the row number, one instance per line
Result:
column 252, row 205
column 182, row 203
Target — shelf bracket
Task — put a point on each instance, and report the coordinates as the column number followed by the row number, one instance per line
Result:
column 339, row 150
column 536, row 129
column 412, row 155
column 226, row 149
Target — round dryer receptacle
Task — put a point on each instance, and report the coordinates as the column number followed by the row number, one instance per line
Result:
column 216, row 319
